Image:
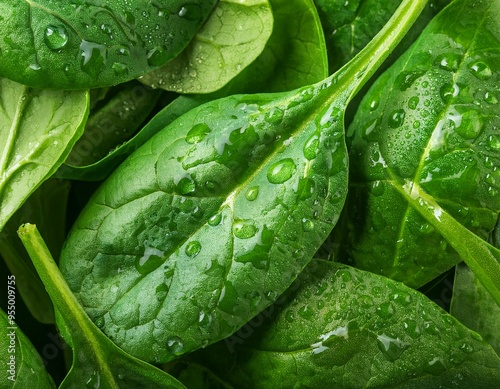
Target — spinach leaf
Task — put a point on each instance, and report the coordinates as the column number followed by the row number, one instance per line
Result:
column 193, row 234
column 294, row 56
column 46, row 207
column 97, row 362
column 430, row 123
column 350, row 25
column 353, row 329
column 37, row 130
column 114, row 123
column 474, row 306
column 99, row 170
column 232, row 37
column 22, row 367
column 93, row 43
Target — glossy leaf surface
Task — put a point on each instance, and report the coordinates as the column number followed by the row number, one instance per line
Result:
column 37, row 130
column 97, row 362
column 434, row 129
column 354, row 329
column 232, row 37
column 26, row 365
column 93, row 43
column 206, row 207
column 475, row 307
column 207, row 223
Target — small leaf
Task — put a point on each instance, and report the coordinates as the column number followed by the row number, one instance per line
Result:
column 97, row 362
column 113, row 124
column 232, row 37
column 37, row 130
column 22, row 367
column 347, row 328
column 93, row 43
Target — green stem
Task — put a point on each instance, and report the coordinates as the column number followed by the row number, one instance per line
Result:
column 359, row 70
column 61, row 295
column 481, row 257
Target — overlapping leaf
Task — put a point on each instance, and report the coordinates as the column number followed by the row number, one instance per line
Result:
column 37, row 130
column 436, row 131
column 353, row 329
column 93, row 43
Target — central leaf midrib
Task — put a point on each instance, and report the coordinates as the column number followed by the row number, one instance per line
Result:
column 258, row 169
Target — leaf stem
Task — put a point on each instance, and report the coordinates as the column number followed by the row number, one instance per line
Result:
column 359, row 70
column 481, row 257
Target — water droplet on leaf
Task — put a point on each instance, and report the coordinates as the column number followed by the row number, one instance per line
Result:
column 56, row 37
column 252, row 193
column 244, row 229
column 281, row 171
column 197, row 133
column 193, row 249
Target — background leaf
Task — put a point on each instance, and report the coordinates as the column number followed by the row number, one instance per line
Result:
column 30, row 372
column 474, row 306
column 353, row 329
column 37, row 130
column 46, row 207
column 93, row 43
column 232, row 37
column 294, row 56
column 114, row 123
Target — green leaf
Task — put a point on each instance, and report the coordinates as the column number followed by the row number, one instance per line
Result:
column 93, row 43
column 47, row 208
column 196, row 376
column 101, row 169
column 97, row 362
column 431, row 121
column 113, row 124
column 474, row 306
column 194, row 233
column 232, row 37
column 37, row 130
column 22, row 367
column 350, row 25
column 353, row 329
column 294, row 56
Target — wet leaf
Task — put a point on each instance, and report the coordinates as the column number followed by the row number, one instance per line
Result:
column 353, row 329
column 193, row 234
column 37, row 130
column 429, row 123
column 93, row 43
column 232, row 37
